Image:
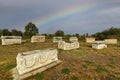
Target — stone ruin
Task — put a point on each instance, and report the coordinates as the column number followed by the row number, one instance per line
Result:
column 8, row 40
column 110, row 41
column 33, row 62
column 57, row 39
column 90, row 39
column 68, row 46
column 99, row 45
column 37, row 38
column 73, row 39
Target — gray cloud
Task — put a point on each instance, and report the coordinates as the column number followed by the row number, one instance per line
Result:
column 17, row 13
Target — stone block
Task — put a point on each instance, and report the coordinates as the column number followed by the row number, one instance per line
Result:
column 8, row 40
column 68, row 46
column 73, row 39
column 31, row 62
column 110, row 41
column 90, row 40
column 37, row 38
column 57, row 39
column 99, row 45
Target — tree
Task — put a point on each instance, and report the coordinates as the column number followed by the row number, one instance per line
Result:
column 66, row 36
column 6, row 32
column 20, row 33
column 87, row 35
column 16, row 33
column 0, row 32
column 30, row 29
column 77, row 35
column 109, row 33
column 59, row 33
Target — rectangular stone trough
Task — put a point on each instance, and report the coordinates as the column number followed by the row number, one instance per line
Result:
column 110, row 41
column 57, row 39
column 73, row 39
column 33, row 62
column 99, row 45
column 8, row 40
column 68, row 46
column 37, row 38
column 90, row 39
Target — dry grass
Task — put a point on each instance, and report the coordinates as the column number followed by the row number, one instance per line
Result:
column 84, row 63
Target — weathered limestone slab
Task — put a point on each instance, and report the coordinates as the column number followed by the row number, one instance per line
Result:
column 68, row 46
column 8, row 40
column 110, row 41
column 90, row 40
column 32, row 62
column 57, row 39
column 99, row 45
column 37, row 38
column 73, row 39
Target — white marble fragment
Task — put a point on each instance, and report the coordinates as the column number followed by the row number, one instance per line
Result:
column 68, row 46
column 110, row 41
column 73, row 39
column 37, row 38
column 8, row 40
column 90, row 39
column 99, row 45
column 29, row 61
column 57, row 39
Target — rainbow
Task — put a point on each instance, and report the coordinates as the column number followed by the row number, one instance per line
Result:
column 61, row 14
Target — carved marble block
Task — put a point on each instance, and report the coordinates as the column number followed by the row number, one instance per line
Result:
column 90, row 40
column 29, row 61
column 110, row 41
column 99, row 45
column 57, row 39
column 37, row 38
column 8, row 40
column 68, row 46
column 73, row 39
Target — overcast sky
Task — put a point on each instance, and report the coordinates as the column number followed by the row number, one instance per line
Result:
column 95, row 15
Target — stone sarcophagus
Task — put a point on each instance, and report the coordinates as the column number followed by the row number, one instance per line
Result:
column 57, row 39
column 99, row 45
column 110, row 41
column 29, row 61
column 73, row 39
column 8, row 40
column 68, row 46
column 90, row 40
column 37, row 38
column 32, row 62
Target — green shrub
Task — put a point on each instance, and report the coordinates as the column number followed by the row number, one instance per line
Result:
column 39, row 76
column 84, row 66
column 100, row 69
column 65, row 71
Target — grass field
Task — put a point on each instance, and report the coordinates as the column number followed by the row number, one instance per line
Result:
column 84, row 63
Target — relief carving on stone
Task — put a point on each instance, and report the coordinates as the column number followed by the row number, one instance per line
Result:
column 28, row 61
